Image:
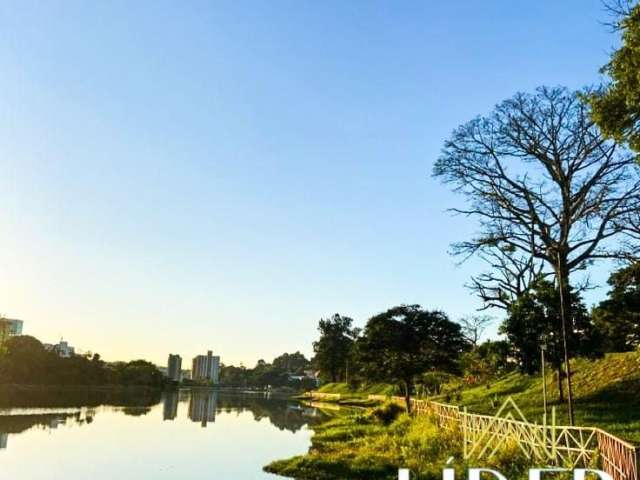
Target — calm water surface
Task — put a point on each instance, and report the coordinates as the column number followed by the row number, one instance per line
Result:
column 186, row 435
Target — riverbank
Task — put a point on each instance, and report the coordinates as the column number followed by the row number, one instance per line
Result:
column 373, row 444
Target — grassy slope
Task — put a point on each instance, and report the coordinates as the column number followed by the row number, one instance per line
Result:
column 606, row 393
column 346, row 390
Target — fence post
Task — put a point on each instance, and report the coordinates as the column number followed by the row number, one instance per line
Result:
column 553, row 432
column 464, row 431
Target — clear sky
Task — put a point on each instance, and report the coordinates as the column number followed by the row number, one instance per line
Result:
column 184, row 176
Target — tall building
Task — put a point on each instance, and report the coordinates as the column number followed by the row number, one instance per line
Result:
column 10, row 327
column 174, row 367
column 206, row 367
column 15, row 327
column 62, row 349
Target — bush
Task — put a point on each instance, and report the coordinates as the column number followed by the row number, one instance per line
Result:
column 387, row 413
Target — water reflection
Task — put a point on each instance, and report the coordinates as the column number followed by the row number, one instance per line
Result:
column 80, row 397
column 200, row 406
column 21, row 422
column 170, row 407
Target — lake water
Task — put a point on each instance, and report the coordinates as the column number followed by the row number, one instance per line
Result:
column 180, row 435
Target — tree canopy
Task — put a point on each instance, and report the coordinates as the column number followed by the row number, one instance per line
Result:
column 534, row 320
column 617, row 318
column 27, row 361
column 403, row 343
column 616, row 107
column 334, row 348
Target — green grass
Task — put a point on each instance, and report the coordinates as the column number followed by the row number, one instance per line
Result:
column 350, row 396
column 374, row 445
column 606, row 394
column 362, row 391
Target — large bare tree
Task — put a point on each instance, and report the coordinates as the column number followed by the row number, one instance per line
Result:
column 510, row 275
column 544, row 184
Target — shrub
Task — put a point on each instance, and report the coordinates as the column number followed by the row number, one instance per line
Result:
column 387, row 412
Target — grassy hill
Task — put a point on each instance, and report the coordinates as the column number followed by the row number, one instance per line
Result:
column 606, row 394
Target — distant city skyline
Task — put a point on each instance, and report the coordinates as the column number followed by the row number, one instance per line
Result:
column 181, row 177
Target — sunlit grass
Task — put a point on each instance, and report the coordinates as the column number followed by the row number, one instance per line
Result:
column 363, row 446
column 606, row 393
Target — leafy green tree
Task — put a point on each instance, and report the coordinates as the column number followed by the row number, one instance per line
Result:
column 138, row 372
column 25, row 361
column 403, row 343
column 292, row 362
column 275, row 374
column 486, row 361
column 618, row 317
column 616, row 107
column 334, row 348
column 534, row 319
column 235, row 376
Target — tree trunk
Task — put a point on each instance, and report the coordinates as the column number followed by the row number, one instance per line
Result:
column 407, row 395
column 562, row 275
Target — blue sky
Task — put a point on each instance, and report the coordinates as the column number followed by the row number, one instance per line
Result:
column 184, row 176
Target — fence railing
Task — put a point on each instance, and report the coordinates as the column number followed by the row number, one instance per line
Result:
column 483, row 435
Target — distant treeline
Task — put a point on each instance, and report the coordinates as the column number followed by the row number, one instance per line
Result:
column 286, row 370
column 25, row 361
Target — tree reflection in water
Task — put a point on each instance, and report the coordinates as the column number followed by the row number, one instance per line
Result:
column 14, row 424
column 202, row 407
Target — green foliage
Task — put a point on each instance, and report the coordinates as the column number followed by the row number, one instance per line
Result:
column 403, row 343
column 535, row 319
column 294, row 363
column 346, row 448
column 618, row 317
column 275, row 374
column 361, row 390
column 487, row 361
column 334, row 348
column 27, row 362
column 616, row 108
column 606, row 394
column 387, row 412
column 431, row 382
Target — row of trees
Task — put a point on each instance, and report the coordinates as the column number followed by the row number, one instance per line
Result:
column 286, row 370
column 397, row 346
column 418, row 349
column 24, row 360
